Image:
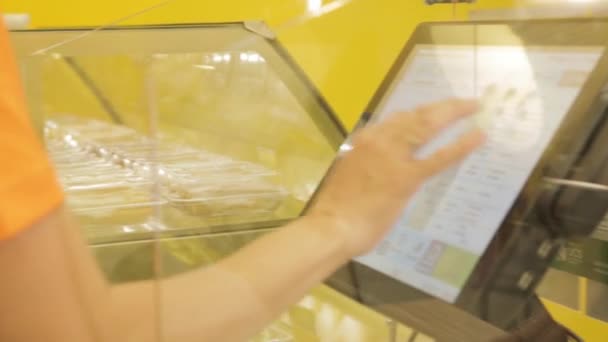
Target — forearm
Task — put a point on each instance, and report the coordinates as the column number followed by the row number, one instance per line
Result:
column 244, row 293
column 283, row 266
column 56, row 286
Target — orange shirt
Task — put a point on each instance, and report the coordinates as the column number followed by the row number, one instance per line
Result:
column 28, row 188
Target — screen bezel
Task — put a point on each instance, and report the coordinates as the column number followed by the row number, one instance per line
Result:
column 391, row 296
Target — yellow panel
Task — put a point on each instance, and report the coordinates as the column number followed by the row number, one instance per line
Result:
column 79, row 13
column 346, row 53
column 589, row 329
column 87, row 13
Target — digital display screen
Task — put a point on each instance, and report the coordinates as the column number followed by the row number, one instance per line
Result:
column 449, row 223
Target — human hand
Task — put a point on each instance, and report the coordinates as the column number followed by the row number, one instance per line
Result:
column 369, row 186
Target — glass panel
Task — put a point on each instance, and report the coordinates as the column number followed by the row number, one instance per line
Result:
column 239, row 138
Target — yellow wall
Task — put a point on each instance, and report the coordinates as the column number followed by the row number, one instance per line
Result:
column 346, row 53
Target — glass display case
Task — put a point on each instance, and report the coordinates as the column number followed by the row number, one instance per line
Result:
column 194, row 135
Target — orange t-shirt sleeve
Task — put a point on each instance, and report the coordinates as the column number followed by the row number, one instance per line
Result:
column 28, row 188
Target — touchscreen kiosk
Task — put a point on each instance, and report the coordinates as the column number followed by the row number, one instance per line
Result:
column 450, row 222
column 472, row 238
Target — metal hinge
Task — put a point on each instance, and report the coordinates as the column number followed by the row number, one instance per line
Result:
column 260, row 27
column 433, row 2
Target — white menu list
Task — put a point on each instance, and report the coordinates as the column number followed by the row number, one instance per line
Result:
column 449, row 223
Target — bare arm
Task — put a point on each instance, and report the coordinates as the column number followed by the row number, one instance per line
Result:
column 58, row 289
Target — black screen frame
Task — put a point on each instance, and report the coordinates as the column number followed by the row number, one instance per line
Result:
column 499, row 298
